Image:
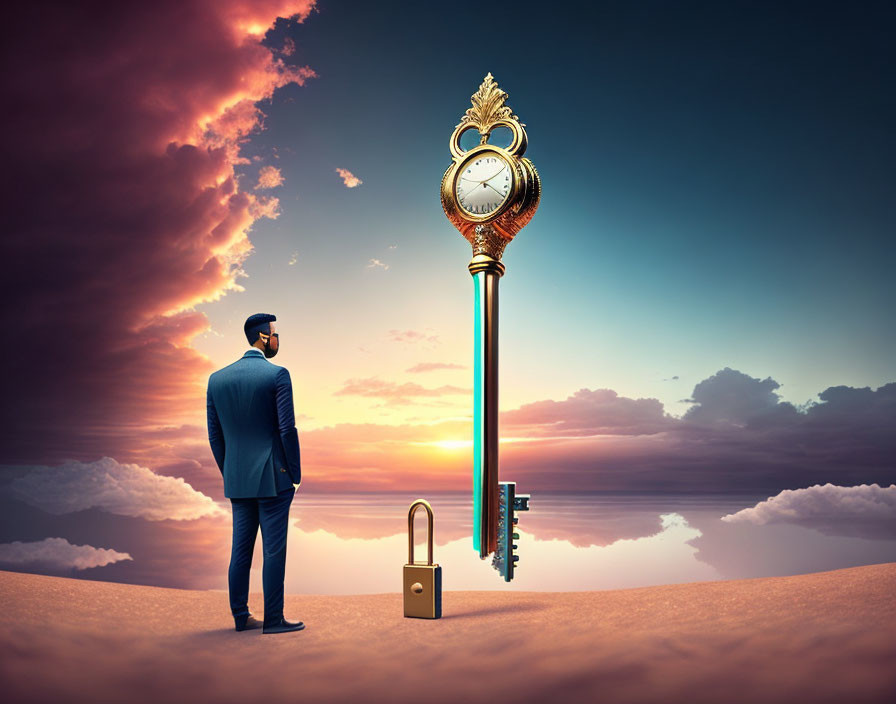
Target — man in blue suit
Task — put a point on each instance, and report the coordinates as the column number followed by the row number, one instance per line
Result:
column 252, row 431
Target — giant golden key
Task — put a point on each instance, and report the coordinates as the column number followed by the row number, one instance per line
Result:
column 489, row 193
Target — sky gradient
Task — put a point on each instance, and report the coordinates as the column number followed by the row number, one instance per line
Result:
column 702, row 303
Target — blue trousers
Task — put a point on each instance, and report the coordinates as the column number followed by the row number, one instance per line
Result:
column 272, row 514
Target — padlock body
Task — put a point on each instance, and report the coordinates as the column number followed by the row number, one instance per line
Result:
column 428, row 603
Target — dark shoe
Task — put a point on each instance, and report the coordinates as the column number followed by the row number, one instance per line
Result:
column 244, row 623
column 283, row 626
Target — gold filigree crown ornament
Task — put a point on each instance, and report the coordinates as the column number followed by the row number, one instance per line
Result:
column 489, row 193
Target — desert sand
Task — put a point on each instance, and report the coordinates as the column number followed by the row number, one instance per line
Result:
column 826, row 637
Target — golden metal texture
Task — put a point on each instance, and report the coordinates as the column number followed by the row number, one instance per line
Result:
column 427, row 602
column 411, row 511
column 489, row 234
column 488, row 106
column 485, row 262
column 517, row 209
column 422, row 584
column 488, row 112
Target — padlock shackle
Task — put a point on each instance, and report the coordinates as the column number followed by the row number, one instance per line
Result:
column 414, row 506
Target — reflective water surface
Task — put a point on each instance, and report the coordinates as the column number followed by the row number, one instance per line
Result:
column 353, row 544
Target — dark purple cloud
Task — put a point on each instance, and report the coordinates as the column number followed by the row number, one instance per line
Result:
column 737, row 437
column 730, row 397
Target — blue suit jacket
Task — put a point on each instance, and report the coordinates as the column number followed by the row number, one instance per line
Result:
column 252, row 427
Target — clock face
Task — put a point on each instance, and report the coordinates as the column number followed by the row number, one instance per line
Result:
column 484, row 184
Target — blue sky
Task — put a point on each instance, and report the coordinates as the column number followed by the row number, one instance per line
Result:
column 718, row 183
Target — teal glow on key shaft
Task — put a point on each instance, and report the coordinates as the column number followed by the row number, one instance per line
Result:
column 486, row 274
column 478, row 411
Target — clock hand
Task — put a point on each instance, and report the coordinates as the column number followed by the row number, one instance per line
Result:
column 497, row 173
column 473, row 180
column 494, row 177
column 495, row 189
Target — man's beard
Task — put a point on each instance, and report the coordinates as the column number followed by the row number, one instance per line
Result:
column 268, row 352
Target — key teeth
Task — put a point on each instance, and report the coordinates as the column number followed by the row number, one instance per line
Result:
column 504, row 560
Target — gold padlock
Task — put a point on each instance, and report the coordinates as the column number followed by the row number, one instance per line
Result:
column 422, row 583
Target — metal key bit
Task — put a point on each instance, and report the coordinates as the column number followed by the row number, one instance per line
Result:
column 509, row 502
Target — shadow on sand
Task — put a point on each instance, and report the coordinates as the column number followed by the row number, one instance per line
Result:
column 505, row 609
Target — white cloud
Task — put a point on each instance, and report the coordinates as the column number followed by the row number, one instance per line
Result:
column 124, row 489
column 58, row 552
column 867, row 510
column 375, row 263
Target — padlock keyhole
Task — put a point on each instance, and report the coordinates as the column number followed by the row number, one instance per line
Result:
column 417, row 588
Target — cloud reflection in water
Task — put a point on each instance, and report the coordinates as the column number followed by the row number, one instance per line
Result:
column 350, row 545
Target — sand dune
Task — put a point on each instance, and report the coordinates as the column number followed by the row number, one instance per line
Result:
column 827, row 637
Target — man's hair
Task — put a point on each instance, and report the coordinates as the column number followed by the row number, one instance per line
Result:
column 260, row 322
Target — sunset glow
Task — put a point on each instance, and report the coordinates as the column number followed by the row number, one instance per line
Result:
column 447, row 444
column 700, row 305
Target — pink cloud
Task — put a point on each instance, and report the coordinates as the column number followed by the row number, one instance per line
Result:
column 127, row 135
column 588, row 412
column 269, row 177
column 289, row 47
column 348, row 178
column 394, row 392
column 433, row 366
column 411, row 336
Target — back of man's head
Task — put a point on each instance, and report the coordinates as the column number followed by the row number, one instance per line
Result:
column 258, row 323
